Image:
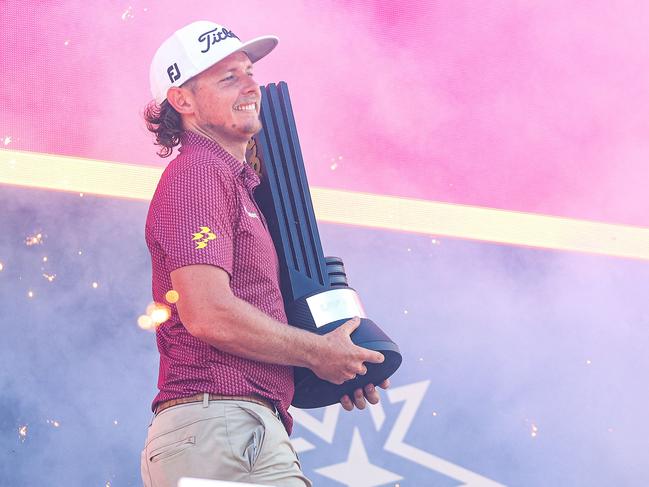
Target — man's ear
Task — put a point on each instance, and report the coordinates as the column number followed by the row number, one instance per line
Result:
column 181, row 99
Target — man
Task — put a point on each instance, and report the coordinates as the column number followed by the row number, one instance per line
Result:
column 226, row 352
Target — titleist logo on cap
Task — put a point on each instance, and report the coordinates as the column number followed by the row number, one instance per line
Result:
column 215, row 36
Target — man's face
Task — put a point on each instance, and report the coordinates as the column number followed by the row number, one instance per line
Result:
column 227, row 99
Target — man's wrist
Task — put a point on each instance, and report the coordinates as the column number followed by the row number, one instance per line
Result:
column 311, row 348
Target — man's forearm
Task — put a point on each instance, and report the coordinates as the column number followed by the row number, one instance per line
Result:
column 241, row 329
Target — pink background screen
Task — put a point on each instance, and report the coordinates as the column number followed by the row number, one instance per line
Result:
column 532, row 106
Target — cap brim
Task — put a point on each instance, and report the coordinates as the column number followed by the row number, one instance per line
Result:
column 259, row 47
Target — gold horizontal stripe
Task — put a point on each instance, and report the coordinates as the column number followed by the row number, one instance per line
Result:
column 76, row 174
column 80, row 175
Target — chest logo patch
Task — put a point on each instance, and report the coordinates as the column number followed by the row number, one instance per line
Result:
column 251, row 214
column 203, row 237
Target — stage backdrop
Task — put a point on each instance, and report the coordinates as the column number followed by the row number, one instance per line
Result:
column 523, row 366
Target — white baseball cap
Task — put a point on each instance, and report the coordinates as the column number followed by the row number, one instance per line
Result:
column 195, row 48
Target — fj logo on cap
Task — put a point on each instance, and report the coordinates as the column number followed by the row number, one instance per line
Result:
column 173, row 72
column 215, row 36
column 203, row 237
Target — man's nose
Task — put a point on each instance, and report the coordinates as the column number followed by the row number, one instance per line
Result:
column 250, row 85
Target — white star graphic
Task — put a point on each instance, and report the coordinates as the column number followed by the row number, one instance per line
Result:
column 411, row 395
column 357, row 471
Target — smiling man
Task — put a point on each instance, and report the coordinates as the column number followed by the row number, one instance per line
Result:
column 226, row 352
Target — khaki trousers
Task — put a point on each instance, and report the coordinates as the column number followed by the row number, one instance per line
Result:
column 220, row 440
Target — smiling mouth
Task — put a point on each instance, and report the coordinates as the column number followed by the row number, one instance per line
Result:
column 246, row 107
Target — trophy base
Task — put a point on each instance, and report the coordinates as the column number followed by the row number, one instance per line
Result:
column 313, row 392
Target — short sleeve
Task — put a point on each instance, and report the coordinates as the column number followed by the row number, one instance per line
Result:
column 195, row 220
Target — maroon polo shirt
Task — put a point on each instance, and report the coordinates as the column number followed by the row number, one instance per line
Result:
column 203, row 212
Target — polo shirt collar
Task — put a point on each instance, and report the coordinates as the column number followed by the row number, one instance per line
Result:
column 190, row 138
column 239, row 169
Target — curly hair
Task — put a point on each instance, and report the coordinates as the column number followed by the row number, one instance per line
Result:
column 165, row 122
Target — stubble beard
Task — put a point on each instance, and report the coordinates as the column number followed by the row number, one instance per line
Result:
column 234, row 132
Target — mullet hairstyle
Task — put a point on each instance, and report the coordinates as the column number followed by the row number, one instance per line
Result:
column 164, row 121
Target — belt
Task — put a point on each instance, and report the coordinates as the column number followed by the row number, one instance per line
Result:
column 212, row 397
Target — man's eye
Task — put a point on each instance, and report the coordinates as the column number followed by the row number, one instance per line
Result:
column 228, row 78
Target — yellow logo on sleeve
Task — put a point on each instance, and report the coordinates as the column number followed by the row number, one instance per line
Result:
column 203, row 237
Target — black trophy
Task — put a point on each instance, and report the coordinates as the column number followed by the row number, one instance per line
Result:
column 316, row 295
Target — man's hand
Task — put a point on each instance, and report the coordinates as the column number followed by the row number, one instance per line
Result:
column 368, row 393
column 340, row 359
